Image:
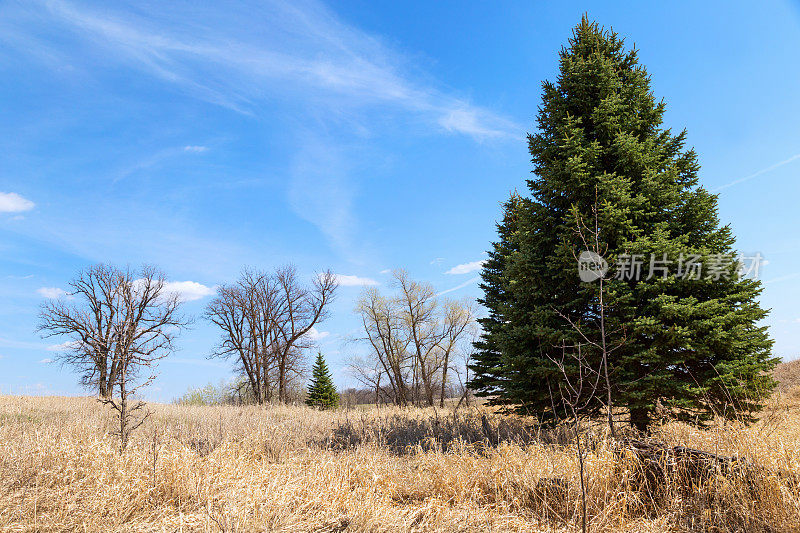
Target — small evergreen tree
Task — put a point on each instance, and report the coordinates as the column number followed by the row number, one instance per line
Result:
column 322, row 392
column 693, row 345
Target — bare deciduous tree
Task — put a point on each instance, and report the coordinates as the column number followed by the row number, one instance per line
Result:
column 118, row 323
column 417, row 304
column 581, row 385
column 576, row 391
column 266, row 320
column 458, row 325
column 461, row 369
column 96, row 318
column 238, row 310
column 89, row 324
column 302, row 308
column 388, row 343
column 412, row 338
column 596, row 333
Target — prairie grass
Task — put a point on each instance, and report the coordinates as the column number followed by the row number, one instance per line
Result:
column 283, row 468
column 788, row 376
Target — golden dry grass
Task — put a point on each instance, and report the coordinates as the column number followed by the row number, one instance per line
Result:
column 788, row 376
column 296, row 469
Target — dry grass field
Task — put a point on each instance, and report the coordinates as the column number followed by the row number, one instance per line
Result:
column 296, row 469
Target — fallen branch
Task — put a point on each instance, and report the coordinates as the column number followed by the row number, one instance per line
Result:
column 690, row 466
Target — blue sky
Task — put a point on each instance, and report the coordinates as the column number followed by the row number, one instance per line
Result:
column 359, row 136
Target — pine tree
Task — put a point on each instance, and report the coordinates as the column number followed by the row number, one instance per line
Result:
column 322, row 392
column 691, row 344
column 488, row 368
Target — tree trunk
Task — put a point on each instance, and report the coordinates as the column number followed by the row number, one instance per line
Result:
column 105, row 392
column 640, row 418
column 444, row 379
column 123, row 414
column 282, row 383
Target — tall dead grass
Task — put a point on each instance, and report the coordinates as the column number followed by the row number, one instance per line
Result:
column 788, row 376
column 295, row 469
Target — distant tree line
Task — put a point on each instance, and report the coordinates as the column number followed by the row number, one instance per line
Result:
column 118, row 323
column 351, row 396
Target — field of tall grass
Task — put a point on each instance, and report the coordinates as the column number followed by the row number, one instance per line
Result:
column 282, row 468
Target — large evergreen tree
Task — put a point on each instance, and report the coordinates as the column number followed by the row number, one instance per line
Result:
column 322, row 392
column 690, row 343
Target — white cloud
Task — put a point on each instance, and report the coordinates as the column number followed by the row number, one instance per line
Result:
column 437, row 261
column 11, row 202
column 461, row 286
column 466, row 268
column 195, row 149
column 61, row 347
column 51, row 292
column 189, row 291
column 46, row 361
column 353, row 281
column 316, row 335
column 386, row 271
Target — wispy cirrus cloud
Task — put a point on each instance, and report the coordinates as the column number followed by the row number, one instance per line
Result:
column 338, row 80
column 194, row 362
column 22, row 345
column 758, row 173
column 460, row 286
column 320, row 192
column 466, row 268
column 779, row 279
column 187, row 291
column 257, row 49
